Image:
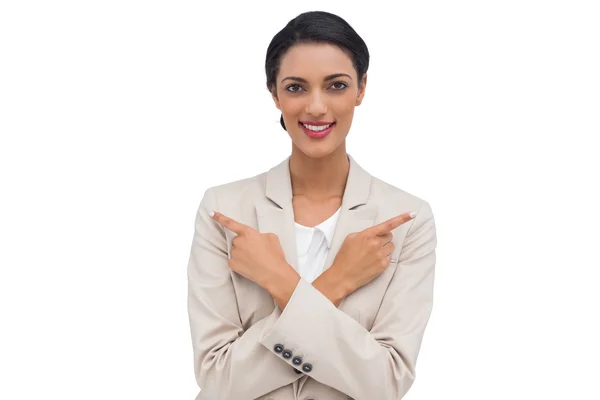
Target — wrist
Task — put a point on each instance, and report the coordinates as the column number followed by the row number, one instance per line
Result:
column 282, row 286
column 332, row 285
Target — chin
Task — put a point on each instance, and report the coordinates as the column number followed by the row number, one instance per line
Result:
column 317, row 153
column 317, row 150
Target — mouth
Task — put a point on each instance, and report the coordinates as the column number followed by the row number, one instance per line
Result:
column 317, row 131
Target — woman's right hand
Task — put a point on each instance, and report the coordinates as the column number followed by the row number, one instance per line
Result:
column 366, row 254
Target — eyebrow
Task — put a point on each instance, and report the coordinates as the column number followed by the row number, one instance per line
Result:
column 327, row 78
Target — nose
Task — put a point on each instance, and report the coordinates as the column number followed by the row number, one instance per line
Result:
column 316, row 104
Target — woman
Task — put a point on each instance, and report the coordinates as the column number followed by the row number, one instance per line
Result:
column 313, row 280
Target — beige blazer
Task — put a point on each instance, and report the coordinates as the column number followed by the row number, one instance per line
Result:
column 245, row 348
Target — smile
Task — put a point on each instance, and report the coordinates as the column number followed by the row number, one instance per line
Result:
column 317, row 132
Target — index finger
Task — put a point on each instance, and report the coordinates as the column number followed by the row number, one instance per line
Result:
column 229, row 223
column 391, row 224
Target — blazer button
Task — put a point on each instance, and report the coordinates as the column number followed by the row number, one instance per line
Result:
column 297, row 371
column 287, row 354
column 307, row 367
column 297, row 360
column 278, row 348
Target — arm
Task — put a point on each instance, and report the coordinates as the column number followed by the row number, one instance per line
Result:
column 327, row 283
column 379, row 364
column 229, row 363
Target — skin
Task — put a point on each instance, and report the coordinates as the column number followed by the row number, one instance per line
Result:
column 319, row 170
column 319, row 167
column 260, row 258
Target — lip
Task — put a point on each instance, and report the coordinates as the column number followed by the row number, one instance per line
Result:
column 317, row 123
column 317, row 135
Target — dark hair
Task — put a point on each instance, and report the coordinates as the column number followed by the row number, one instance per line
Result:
column 316, row 27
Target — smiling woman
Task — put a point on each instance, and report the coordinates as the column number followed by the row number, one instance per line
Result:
column 313, row 280
column 316, row 72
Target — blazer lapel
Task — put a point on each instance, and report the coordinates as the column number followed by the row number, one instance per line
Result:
column 279, row 221
column 275, row 213
column 357, row 213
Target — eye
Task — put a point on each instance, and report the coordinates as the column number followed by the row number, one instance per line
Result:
column 342, row 83
column 292, row 91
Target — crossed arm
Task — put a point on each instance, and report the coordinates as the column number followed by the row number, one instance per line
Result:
column 232, row 363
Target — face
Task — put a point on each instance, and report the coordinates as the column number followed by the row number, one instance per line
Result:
column 317, row 83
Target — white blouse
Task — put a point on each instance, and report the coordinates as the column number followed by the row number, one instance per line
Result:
column 312, row 244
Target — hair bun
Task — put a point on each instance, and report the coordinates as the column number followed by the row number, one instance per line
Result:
column 281, row 122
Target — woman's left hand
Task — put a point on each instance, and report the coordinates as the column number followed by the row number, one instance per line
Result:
column 254, row 255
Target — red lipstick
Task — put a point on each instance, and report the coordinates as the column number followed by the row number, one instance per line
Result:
column 319, row 134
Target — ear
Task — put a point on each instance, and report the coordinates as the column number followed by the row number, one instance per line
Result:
column 275, row 99
column 361, row 92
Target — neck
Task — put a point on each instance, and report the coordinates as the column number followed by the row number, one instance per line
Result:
column 319, row 179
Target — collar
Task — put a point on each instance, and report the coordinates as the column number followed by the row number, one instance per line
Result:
column 328, row 227
column 279, row 185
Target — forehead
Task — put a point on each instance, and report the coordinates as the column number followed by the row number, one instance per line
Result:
column 313, row 61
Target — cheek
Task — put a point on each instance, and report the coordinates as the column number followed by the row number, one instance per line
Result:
column 344, row 104
column 290, row 105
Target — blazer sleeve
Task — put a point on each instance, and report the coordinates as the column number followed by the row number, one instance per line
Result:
column 229, row 363
column 375, row 364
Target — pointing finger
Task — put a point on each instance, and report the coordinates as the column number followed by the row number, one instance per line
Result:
column 229, row 223
column 391, row 224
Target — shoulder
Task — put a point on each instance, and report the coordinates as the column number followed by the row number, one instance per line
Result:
column 393, row 200
column 232, row 193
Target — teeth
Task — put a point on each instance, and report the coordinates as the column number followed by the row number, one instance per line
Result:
column 317, row 128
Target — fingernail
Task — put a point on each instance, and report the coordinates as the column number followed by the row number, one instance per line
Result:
column 413, row 214
column 212, row 213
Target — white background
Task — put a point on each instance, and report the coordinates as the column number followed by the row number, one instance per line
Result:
column 113, row 115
